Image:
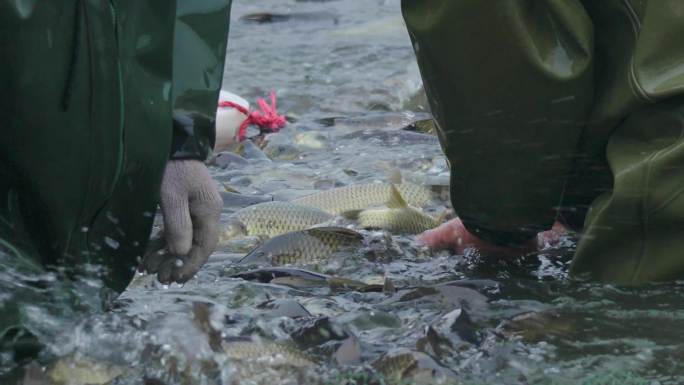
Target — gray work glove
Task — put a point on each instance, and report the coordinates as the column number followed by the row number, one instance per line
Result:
column 191, row 206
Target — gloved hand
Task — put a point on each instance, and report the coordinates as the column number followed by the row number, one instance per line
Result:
column 191, row 206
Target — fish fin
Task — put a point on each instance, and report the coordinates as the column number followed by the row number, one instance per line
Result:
column 396, row 201
column 395, row 176
column 256, row 255
column 229, row 189
column 351, row 214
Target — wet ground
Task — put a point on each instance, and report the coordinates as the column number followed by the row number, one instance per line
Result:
column 345, row 75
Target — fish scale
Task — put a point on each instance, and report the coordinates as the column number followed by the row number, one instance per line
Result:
column 413, row 367
column 304, row 247
column 358, row 197
column 274, row 218
column 402, row 220
column 397, row 367
column 398, row 217
column 273, row 352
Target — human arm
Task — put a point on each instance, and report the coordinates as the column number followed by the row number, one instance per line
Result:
column 189, row 198
column 453, row 235
column 509, row 111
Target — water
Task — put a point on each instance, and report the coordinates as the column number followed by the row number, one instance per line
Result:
column 526, row 322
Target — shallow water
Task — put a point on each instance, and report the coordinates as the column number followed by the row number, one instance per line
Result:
column 526, row 323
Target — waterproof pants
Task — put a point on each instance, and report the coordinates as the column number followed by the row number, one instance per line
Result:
column 91, row 93
column 563, row 110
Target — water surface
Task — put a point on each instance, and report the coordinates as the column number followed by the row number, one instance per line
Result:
column 526, row 323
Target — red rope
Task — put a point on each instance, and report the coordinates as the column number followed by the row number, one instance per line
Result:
column 266, row 118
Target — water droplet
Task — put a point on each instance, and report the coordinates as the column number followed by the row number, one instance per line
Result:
column 112, row 218
column 114, row 244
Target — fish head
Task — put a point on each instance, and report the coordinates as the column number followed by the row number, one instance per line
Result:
column 257, row 255
column 235, row 229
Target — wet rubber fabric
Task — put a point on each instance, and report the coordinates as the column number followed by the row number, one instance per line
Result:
column 92, row 95
column 545, row 106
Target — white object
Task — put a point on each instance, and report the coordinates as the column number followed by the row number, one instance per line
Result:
column 228, row 120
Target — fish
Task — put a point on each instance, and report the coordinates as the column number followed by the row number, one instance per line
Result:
column 267, row 275
column 250, row 350
column 273, row 218
column 393, row 138
column 305, row 246
column 227, row 159
column 265, row 17
column 268, row 17
column 230, row 189
column 425, row 126
column 300, row 279
column 291, row 143
column 535, row 326
column 403, row 366
column 446, row 296
column 398, row 217
column 249, row 150
column 357, row 197
column 396, row 367
column 311, row 140
column 232, row 199
column 284, row 308
column 372, row 121
column 82, row 370
column 282, row 151
column 267, row 352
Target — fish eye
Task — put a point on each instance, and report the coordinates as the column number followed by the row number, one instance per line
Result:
column 259, row 254
column 236, row 229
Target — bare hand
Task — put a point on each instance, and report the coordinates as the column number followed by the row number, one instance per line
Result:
column 454, row 236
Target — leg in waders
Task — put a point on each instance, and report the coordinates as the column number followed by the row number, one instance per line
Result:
column 108, row 108
column 560, row 111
